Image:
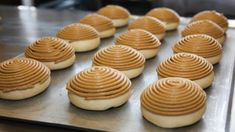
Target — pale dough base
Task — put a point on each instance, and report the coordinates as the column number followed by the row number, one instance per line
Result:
column 221, row 40
column 120, row 22
column 149, row 53
column 171, row 26
column 133, row 72
column 215, row 59
column 85, row 45
column 98, row 105
column 173, row 121
column 107, row 33
column 60, row 65
column 204, row 82
column 160, row 36
column 26, row 93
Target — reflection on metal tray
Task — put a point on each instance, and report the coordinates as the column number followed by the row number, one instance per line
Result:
column 53, row 106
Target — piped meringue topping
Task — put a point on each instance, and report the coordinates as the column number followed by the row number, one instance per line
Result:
column 99, row 22
column 119, row 57
column 77, row 31
column 164, row 14
column 138, row 39
column 199, row 44
column 185, row 65
column 203, row 27
column 212, row 15
column 114, row 12
column 22, row 73
column 50, row 49
column 173, row 97
column 148, row 23
column 99, row 82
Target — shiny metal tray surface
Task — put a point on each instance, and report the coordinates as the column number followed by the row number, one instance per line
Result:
column 53, row 106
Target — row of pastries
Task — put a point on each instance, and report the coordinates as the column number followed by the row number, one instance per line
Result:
column 176, row 99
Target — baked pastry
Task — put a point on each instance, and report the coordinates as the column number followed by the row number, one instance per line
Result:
column 214, row 16
column 150, row 24
column 99, row 88
column 168, row 16
column 141, row 40
column 201, row 45
column 102, row 24
column 81, row 36
column 55, row 53
column 173, row 102
column 123, row 58
column 119, row 15
column 22, row 78
column 188, row 66
column 205, row 27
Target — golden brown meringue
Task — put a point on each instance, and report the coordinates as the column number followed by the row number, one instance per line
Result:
column 141, row 40
column 101, row 23
column 173, row 97
column 164, row 14
column 119, row 57
column 49, row 49
column 199, row 44
column 173, row 102
column 114, row 12
column 185, row 65
column 204, row 27
column 98, row 83
column 212, row 15
column 77, row 31
column 138, row 39
column 150, row 24
column 119, row 15
column 21, row 74
column 82, row 37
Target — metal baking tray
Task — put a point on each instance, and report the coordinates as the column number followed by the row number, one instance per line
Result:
column 53, row 107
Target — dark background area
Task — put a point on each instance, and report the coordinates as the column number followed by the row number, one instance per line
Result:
column 139, row 7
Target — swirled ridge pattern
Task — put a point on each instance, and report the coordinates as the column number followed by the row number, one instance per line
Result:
column 203, row 27
column 114, row 12
column 148, row 23
column 199, row 44
column 99, row 82
column 212, row 15
column 185, row 65
column 119, row 57
column 99, row 22
column 173, row 97
column 22, row 73
column 138, row 39
column 77, row 31
column 164, row 14
column 49, row 49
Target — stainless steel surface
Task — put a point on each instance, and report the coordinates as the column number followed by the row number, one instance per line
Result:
column 52, row 106
column 22, row 25
column 231, row 116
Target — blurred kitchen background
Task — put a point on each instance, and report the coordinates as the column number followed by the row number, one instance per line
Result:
column 138, row 7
